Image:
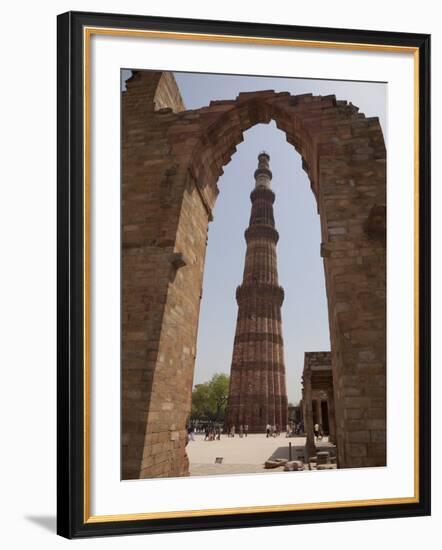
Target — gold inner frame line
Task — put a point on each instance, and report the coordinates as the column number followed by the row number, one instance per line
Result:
column 134, row 33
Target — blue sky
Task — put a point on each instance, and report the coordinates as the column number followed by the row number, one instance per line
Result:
column 301, row 273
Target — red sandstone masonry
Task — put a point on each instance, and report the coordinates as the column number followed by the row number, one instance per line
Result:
column 171, row 162
column 257, row 392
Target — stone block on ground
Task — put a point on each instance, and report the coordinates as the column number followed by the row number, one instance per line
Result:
column 293, row 466
column 323, row 457
column 276, row 463
column 326, row 467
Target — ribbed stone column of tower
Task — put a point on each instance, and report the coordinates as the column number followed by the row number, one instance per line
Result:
column 257, row 392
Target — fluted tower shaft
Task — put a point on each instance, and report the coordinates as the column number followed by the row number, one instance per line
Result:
column 257, row 393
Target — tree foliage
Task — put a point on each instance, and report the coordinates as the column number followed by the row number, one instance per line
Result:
column 209, row 400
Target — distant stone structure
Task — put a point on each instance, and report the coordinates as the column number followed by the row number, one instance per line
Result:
column 318, row 397
column 294, row 413
column 257, row 393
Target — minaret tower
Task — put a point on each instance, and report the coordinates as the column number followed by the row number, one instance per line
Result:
column 257, row 393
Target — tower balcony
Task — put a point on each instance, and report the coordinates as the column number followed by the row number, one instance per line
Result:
column 261, row 231
column 259, row 292
column 264, row 193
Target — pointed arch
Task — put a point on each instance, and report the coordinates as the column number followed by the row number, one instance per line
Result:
column 171, row 164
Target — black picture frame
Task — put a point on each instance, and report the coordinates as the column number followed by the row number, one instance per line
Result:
column 70, row 266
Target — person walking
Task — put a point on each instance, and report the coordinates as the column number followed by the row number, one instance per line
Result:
column 268, row 427
column 232, row 431
column 316, row 431
column 246, row 429
column 241, row 430
column 190, row 433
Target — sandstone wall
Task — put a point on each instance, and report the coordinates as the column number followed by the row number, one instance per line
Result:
column 172, row 160
column 164, row 228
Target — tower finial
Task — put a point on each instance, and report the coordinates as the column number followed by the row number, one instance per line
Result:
column 263, row 175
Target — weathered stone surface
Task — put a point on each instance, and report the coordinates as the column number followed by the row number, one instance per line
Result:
column 257, row 392
column 293, row 466
column 171, row 161
column 323, row 457
column 318, row 397
column 276, row 463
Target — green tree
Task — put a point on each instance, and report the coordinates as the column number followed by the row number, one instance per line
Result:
column 209, row 400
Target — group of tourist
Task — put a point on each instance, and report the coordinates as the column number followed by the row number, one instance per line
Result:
column 213, row 432
column 294, row 429
column 242, row 432
column 272, row 430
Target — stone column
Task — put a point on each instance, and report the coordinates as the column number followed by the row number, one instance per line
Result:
column 310, row 447
column 331, row 417
column 318, row 411
column 304, row 414
column 301, row 409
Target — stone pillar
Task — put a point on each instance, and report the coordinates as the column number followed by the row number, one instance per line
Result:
column 301, row 409
column 318, row 411
column 331, row 417
column 160, row 287
column 355, row 268
column 310, row 447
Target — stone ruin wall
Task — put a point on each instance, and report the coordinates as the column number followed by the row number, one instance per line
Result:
column 164, row 242
column 171, row 161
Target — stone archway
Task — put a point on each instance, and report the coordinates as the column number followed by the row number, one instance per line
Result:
column 171, row 161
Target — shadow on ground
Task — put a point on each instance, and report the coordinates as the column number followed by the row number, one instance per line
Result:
column 298, row 451
column 49, row 523
column 283, row 452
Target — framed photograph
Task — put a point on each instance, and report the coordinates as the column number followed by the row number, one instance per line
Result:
column 243, row 274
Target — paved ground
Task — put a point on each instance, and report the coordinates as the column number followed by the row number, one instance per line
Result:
column 242, row 455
